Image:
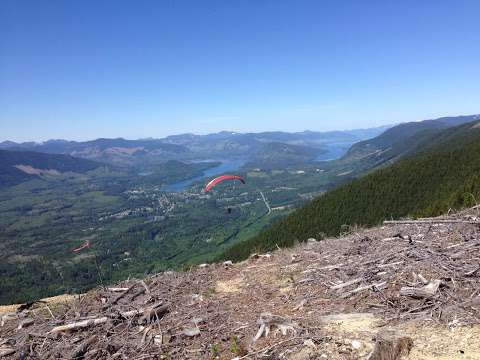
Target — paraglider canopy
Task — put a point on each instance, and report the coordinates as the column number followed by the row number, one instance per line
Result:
column 219, row 179
column 85, row 245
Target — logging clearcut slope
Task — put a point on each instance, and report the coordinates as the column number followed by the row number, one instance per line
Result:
column 400, row 291
column 19, row 166
column 443, row 174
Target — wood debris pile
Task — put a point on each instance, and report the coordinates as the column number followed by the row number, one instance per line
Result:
column 426, row 271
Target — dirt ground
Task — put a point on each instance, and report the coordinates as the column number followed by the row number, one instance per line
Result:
column 60, row 299
column 412, row 289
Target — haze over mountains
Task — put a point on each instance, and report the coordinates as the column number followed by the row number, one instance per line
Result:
column 367, row 149
column 189, row 146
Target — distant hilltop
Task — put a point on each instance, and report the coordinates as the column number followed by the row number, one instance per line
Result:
column 224, row 144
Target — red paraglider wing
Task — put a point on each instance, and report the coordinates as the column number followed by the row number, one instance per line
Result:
column 219, row 179
column 85, row 245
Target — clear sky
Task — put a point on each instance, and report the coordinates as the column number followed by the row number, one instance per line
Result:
column 81, row 69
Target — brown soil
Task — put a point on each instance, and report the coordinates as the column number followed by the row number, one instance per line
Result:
column 332, row 299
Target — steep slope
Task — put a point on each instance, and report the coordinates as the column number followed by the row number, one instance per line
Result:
column 19, row 166
column 396, row 142
column 362, row 296
column 443, row 175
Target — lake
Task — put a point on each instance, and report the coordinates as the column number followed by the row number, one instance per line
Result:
column 334, row 151
column 226, row 166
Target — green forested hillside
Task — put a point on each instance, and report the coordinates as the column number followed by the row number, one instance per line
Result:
column 442, row 175
column 400, row 137
column 395, row 143
column 274, row 155
column 173, row 170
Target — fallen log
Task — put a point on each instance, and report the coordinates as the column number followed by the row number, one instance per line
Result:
column 147, row 315
column 427, row 291
column 79, row 324
column 5, row 351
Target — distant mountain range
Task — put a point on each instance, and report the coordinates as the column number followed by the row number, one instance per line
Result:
column 368, row 149
column 189, row 146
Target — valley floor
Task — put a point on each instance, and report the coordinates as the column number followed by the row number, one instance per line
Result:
column 409, row 290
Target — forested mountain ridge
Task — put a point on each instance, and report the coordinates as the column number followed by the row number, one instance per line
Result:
column 443, row 174
column 398, row 134
column 392, row 145
column 406, row 130
column 19, row 166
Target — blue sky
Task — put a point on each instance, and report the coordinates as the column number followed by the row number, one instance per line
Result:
column 87, row 69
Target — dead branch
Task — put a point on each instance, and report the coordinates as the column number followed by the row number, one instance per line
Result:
column 473, row 272
column 117, row 289
column 390, row 264
column 366, row 287
column 267, row 321
column 422, row 279
column 347, row 283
